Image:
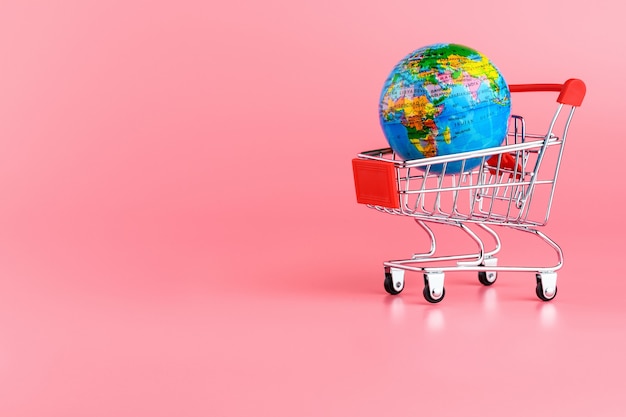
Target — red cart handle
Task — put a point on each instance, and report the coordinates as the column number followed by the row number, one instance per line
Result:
column 572, row 91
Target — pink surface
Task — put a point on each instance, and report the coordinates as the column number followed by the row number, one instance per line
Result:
column 180, row 234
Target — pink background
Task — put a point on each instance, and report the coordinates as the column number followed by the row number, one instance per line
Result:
column 179, row 234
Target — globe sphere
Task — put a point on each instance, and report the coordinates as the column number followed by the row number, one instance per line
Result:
column 444, row 99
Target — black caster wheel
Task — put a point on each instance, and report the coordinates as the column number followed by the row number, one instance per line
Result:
column 429, row 297
column 389, row 285
column 487, row 278
column 541, row 293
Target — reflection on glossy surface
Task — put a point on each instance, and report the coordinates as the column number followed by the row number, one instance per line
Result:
column 396, row 308
column 434, row 319
column 548, row 314
column 490, row 299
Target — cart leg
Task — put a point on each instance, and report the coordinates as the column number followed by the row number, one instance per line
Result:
column 496, row 239
column 394, row 280
column 433, row 287
column 546, row 285
column 433, row 242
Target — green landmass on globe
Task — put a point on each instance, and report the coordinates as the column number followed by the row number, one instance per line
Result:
column 444, row 99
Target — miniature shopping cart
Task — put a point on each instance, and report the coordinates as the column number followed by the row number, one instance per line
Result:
column 512, row 186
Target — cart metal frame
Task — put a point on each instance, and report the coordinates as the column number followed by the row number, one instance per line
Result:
column 512, row 186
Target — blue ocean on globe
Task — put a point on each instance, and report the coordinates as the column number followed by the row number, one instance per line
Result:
column 444, row 99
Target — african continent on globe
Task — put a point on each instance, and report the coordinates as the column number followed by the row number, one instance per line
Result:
column 444, row 99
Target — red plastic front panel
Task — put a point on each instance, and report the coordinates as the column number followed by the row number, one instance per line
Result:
column 375, row 183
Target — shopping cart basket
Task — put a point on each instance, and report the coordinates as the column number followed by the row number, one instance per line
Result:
column 513, row 186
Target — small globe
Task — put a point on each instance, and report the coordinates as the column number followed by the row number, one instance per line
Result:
column 444, row 99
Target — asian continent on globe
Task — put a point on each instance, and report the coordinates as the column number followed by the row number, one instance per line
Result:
column 444, row 99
